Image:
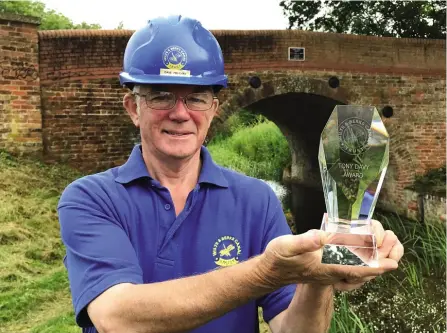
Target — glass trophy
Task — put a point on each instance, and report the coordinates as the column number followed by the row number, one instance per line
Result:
column 353, row 158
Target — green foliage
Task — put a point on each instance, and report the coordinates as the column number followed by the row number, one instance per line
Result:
column 410, row 299
column 34, row 292
column 260, row 151
column 120, row 26
column 425, row 244
column 248, row 118
column 411, row 19
column 20, row 301
column 346, row 319
column 238, row 120
column 60, row 323
column 34, row 289
column 432, row 182
column 50, row 19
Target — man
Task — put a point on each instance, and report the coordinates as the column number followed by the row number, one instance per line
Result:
column 171, row 242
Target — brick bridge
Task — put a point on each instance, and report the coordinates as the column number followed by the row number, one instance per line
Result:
column 60, row 97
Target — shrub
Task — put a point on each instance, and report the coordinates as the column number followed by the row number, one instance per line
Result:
column 259, row 151
column 432, row 181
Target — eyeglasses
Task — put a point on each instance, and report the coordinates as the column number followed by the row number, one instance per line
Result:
column 164, row 100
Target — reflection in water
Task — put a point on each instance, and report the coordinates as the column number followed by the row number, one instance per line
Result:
column 307, row 206
column 280, row 190
column 305, row 203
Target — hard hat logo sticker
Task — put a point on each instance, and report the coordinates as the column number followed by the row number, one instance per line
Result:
column 174, row 57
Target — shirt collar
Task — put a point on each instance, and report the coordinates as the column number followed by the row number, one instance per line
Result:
column 211, row 173
column 135, row 168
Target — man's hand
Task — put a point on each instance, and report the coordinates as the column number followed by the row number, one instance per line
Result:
column 389, row 247
column 297, row 259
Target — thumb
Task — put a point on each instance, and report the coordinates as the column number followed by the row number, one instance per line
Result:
column 310, row 241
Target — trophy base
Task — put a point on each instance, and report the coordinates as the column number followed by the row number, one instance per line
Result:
column 349, row 243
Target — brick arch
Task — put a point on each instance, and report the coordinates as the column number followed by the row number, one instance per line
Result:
column 45, row 113
column 295, row 89
column 244, row 95
column 290, row 101
column 402, row 169
column 304, row 172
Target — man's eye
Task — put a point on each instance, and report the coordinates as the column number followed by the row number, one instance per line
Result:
column 196, row 100
column 159, row 98
column 199, row 98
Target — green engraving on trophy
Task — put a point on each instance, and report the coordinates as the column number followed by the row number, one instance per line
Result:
column 353, row 170
column 354, row 134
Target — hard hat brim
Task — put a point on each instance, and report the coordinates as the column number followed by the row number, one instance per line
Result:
column 126, row 78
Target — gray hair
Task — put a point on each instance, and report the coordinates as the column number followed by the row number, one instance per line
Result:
column 137, row 90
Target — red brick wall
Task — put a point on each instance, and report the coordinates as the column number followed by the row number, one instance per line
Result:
column 20, row 117
column 71, row 55
column 84, row 123
column 417, row 128
column 86, row 54
column 257, row 50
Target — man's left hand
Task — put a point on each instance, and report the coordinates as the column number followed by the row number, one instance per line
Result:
column 388, row 246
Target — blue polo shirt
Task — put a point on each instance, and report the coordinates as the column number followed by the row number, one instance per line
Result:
column 120, row 226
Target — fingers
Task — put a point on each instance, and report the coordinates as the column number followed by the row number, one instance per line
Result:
column 350, row 273
column 389, row 241
column 356, row 278
column 310, row 241
column 397, row 251
column 359, row 273
column 387, row 264
column 378, row 231
column 344, row 286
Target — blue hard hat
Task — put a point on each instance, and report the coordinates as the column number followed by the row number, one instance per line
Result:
column 173, row 50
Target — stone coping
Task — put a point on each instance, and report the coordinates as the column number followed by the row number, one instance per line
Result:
column 19, row 18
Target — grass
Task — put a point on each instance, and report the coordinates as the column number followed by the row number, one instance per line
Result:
column 259, row 150
column 33, row 282
column 34, row 292
column 410, row 299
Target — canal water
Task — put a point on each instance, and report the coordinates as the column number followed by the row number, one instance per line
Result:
column 305, row 203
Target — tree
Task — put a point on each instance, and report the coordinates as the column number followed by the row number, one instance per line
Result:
column 50, row 19
column 411, row 19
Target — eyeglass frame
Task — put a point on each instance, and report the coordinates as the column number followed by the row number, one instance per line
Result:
column 183, row 98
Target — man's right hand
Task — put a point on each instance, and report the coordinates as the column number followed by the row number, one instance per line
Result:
column 295, row 259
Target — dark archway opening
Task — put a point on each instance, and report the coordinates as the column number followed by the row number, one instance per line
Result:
column 301, row 117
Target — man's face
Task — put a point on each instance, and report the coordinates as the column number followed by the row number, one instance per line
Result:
column 178, row 132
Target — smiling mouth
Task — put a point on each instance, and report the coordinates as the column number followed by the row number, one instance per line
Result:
column 176, row 133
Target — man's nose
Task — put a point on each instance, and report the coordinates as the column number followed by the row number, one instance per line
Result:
column 179, row 112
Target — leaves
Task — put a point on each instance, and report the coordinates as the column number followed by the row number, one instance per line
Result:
column 410, row 19
column 433, row 181
column 50, row 19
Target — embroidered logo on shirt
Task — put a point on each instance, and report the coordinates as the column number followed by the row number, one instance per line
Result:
column 226, row 251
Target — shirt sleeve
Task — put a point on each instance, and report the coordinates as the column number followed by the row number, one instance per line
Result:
column 99, row 253
column 279, row 300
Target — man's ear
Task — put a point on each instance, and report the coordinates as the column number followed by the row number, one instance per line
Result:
column 130, row 105
column 215, row 111
column 216, row 107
